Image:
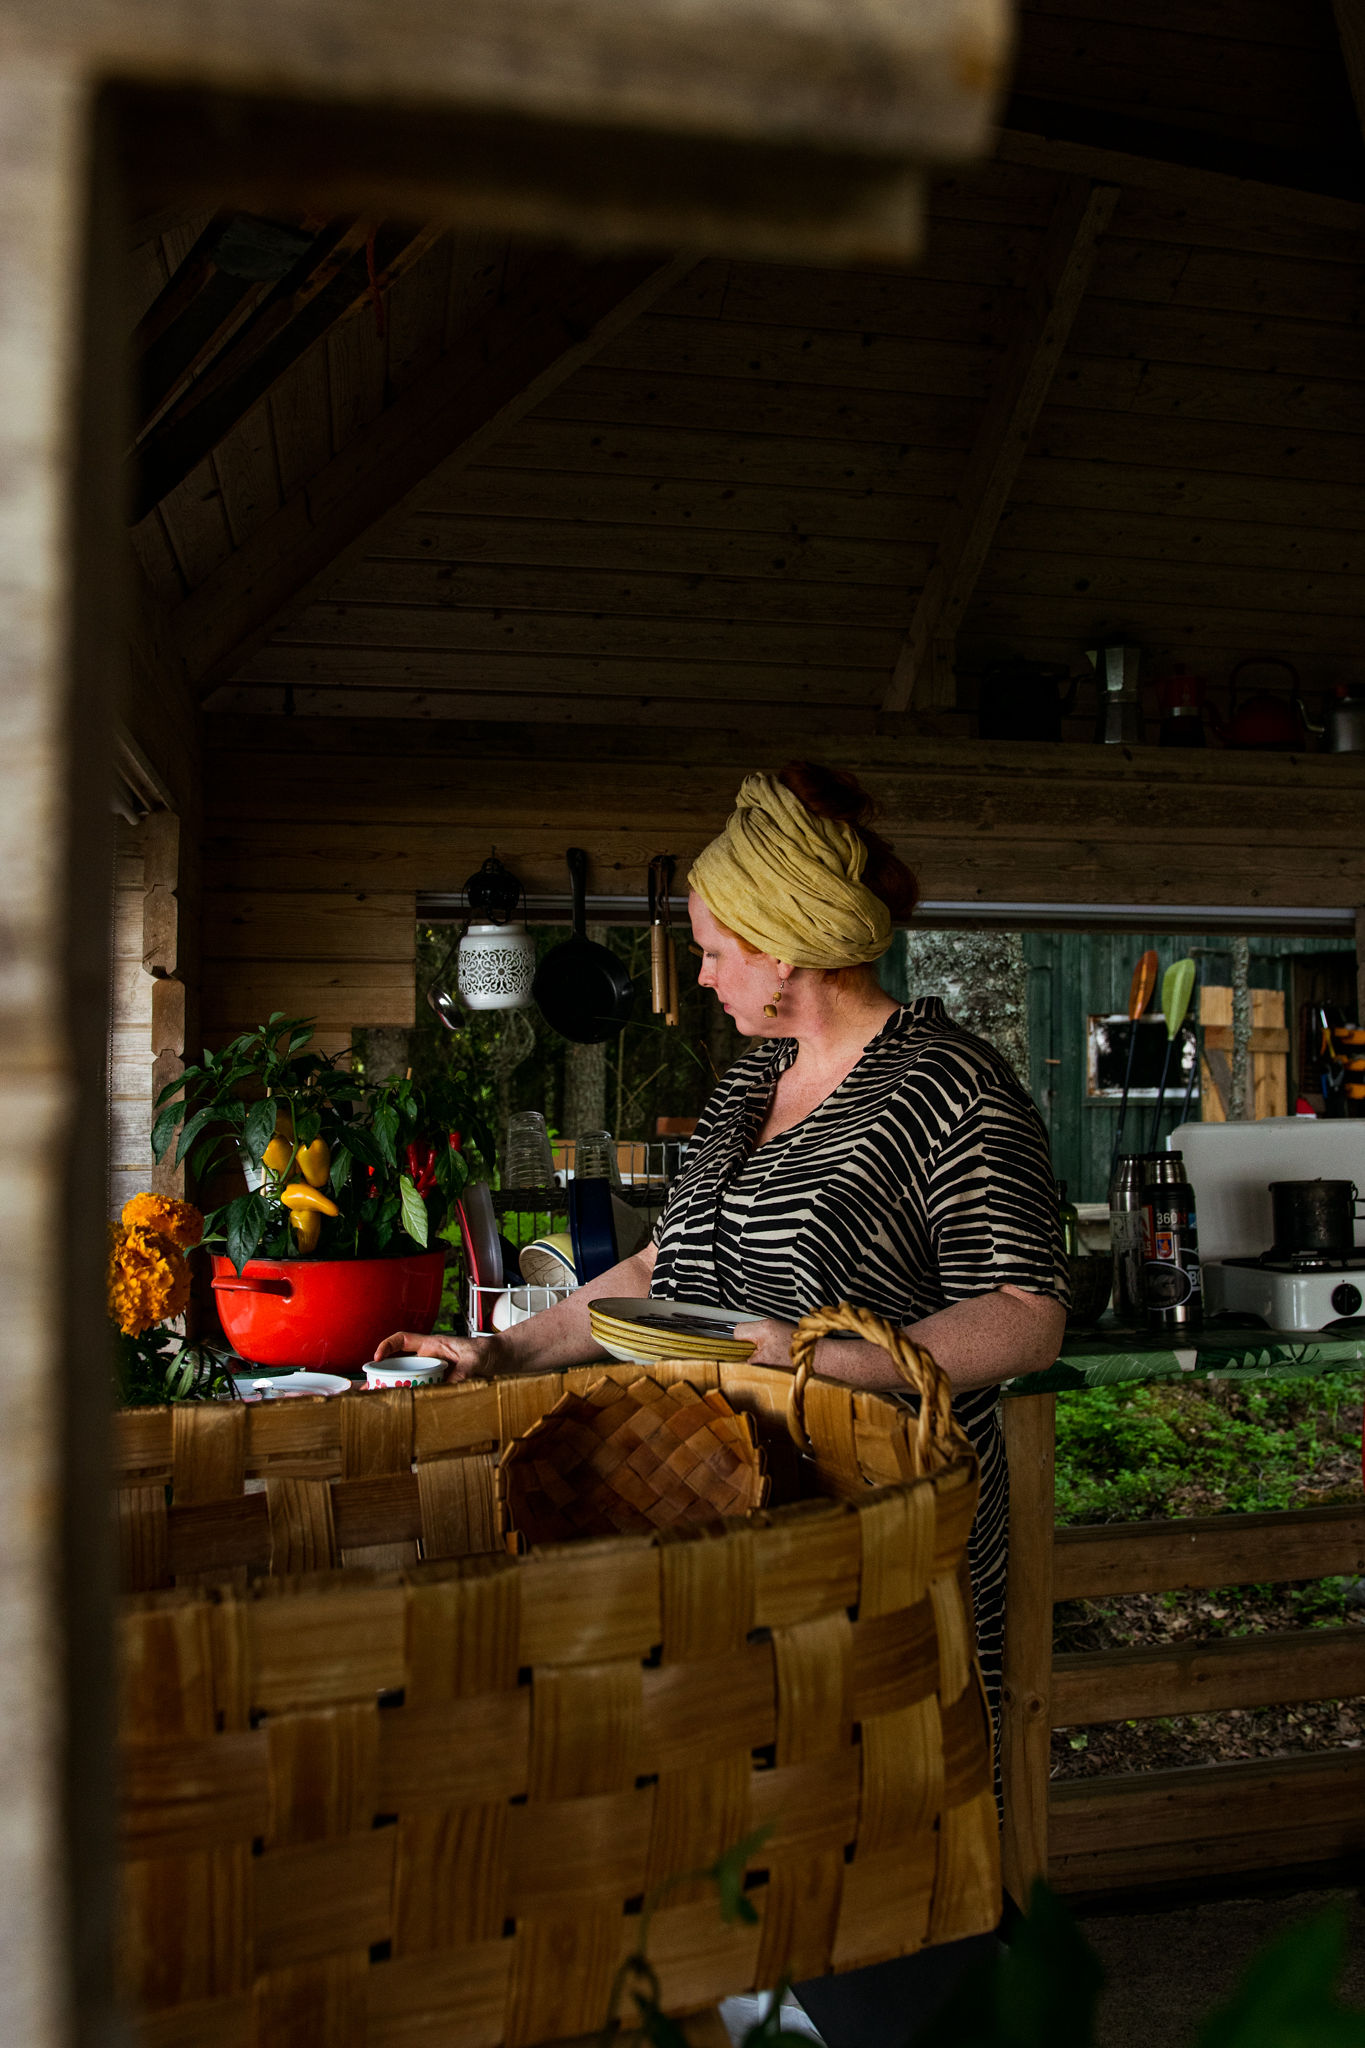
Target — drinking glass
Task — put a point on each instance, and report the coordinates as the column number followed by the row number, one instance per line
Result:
column 594, row 1157
column 528, row 1161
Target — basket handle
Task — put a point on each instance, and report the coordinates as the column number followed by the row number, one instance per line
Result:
column 939, row 1437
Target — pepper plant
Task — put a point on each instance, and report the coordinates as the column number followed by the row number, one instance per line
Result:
column 341, row 1170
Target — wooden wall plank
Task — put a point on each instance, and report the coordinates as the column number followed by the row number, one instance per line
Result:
column 1172, row 1826
column 800, row 460
column 830, row 412
column 542, row 674
column 732, row 581
column 378, row 807
column 1217, row 1550
column 239, row 994
column 1097, row 1686
column 469, row 630
column 294, row 925
column 516, row 514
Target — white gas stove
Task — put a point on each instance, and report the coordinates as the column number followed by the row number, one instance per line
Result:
column 1231, row 1167
column 1287, row 1294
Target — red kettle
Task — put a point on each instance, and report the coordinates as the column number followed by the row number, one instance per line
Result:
column 1265, row 720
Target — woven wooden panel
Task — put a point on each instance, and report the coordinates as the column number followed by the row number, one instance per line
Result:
column 374, row 1808
column 619, row 1458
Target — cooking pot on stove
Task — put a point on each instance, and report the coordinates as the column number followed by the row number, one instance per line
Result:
column 1314, row 1216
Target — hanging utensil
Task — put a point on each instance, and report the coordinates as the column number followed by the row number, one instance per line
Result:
column 1194, row 1063
column 666, row 867
column 1177, row 986
column 658, row 941
column 582, row 988
column 1139, row 995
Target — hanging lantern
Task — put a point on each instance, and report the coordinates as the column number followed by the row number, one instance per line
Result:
column 497, row 956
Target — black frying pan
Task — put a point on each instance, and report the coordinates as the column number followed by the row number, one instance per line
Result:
column 582, row 989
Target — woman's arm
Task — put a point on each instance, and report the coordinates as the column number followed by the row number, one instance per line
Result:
column 978, row 1342
column 561, row 1335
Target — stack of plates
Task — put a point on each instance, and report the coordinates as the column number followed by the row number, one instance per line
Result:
column 647, row 1330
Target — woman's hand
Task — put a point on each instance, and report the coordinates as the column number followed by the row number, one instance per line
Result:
column 468, row 1357
column 772, row 1341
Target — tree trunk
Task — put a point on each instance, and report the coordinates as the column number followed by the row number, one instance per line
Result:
column 585, row 1076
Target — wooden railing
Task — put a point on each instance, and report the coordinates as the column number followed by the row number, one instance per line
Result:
column 1161, row 1826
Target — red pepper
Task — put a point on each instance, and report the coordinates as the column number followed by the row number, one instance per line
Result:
column 456, row 1141
column 421, row 1158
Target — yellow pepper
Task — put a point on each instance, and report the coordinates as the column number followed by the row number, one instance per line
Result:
column 298, row 1195
column 315, row 1162
column 284, row 1122
column 278, row 1153
column 306, row 1225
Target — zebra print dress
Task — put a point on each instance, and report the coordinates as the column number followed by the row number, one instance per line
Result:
column 922, row 1180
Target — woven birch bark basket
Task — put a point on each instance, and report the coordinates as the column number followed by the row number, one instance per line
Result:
column 383, row 1784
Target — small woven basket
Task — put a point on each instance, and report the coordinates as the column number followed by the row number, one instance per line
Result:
column 383, row 1784
column 627, row 1459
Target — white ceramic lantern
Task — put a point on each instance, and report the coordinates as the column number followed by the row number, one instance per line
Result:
column 497, row 964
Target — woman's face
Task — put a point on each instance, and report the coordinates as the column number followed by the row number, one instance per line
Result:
column 743, row 981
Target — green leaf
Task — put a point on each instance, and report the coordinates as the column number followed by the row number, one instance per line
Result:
column 195, row 1125
column 414, row 1210
column 308, row 1126
column 385, row 1127
column 341, row 1166
column 728, row 1872
column 163, row 1130
column 1287, row 1999
column 363, row 1144
column 173, row 1088
column 247, row 1218
column 259, row 1129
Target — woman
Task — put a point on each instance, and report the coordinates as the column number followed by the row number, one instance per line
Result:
column 864, row 1150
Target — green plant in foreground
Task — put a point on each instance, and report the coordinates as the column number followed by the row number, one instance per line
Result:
column 1043, row 1992
column 638, row 1976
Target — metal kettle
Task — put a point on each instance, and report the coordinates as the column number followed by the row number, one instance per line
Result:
column 1343, row 727
column 1118, row 711
column 1266, row 721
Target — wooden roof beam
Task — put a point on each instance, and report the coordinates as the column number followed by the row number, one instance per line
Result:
column 1351, row 32
column 562, row 313
column 923, row 672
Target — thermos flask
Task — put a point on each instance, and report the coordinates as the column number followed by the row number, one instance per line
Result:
column 1172, row 1293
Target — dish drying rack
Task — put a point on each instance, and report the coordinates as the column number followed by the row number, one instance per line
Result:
column 647, row 1168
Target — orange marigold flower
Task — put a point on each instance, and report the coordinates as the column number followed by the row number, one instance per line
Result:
column 181, row 1222
column 149, row 1279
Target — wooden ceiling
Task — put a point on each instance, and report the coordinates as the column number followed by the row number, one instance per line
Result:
column 498, row 482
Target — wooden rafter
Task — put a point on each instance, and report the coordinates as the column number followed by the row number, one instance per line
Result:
column 1351, row 30
column 562, row 313
column 923, row 671
column 332, row 284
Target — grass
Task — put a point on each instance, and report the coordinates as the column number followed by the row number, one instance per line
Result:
column 1216, row 1447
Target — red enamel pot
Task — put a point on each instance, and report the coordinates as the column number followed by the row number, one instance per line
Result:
column 326, row 1313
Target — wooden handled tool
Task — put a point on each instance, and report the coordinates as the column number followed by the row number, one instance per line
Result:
column 1139, row 995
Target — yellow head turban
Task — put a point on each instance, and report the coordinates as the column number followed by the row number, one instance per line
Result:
column 788, row 882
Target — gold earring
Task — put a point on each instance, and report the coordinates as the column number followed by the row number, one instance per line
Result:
column 770, row 1009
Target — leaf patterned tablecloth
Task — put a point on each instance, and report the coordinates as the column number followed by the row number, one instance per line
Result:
column 1108, row 1355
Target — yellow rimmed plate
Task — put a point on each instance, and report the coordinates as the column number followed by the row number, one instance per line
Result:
column 648, row 1329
